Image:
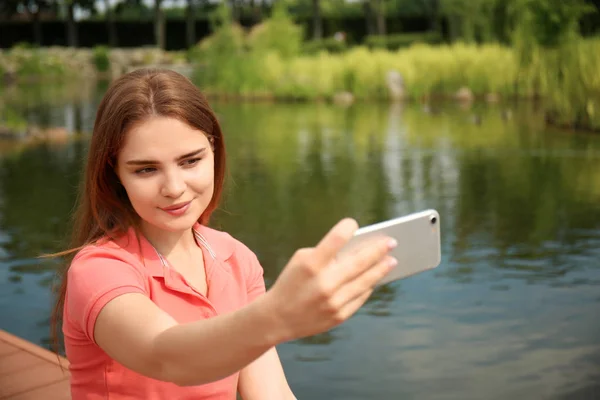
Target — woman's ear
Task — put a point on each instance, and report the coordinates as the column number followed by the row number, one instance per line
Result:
column 211, row 140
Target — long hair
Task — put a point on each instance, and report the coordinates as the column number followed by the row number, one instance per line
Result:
column 103, row 208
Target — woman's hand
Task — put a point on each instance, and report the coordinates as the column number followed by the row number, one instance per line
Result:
column 319, row 289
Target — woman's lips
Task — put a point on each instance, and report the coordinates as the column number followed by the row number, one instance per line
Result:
column 177, row 209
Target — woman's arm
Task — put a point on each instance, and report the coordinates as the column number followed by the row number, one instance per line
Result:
column 264, row 379
column 315, row 292
column 132, row 330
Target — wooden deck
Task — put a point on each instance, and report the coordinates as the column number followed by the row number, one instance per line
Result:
column 29, row 372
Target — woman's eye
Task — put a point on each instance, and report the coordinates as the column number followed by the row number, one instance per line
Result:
column 144, row 171
column 191, row 161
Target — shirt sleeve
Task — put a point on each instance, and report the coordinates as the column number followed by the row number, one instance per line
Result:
column 95, row 278
column 255, row 282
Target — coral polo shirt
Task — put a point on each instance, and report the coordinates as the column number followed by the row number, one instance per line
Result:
column 101, row 272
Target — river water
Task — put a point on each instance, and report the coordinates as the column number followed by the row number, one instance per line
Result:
column 513, row 309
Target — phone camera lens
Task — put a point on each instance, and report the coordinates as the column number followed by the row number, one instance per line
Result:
column 433, row 219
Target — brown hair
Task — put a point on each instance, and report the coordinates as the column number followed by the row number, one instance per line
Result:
column 103, row 208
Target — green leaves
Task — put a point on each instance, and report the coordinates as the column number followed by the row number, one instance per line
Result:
column 547, row 22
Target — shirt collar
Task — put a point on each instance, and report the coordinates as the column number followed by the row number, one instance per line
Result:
column 221, row 243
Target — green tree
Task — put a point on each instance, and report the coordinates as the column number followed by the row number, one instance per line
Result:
column 278, row 33
column 469, row 20
column 133, row 9
column 547, row 22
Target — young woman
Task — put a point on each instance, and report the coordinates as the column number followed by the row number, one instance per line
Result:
column 157, row 305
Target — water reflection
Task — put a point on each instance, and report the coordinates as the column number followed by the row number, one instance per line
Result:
column 512, row 310
column 38, row 188
column 69, row 104
column 38, row 191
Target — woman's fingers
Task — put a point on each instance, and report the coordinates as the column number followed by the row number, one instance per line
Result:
column 356, row 293
column 349, row 309
column 333, row 242
column 364, row 283
column 352, row 265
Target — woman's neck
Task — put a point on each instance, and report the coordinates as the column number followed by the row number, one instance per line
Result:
column 168, row 242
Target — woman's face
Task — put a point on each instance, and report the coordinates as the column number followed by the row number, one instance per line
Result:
column 167, row 169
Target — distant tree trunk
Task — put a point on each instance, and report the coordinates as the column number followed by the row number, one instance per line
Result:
column 235, row 15
column 433, row 15
column 256, row 10
column 159, row 25
column 453, row 27
column 110, row 25
column 71, row 27
column 37, row 27
column 190, row 23
column 317, row 21
column 380, row 10
column 369, row 17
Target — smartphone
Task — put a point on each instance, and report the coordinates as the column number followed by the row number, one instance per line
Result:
column 418, row 237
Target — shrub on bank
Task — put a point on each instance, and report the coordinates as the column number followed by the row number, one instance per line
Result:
column 426, row 71
column 330, row 45
column 27, row 62
column 233, row 63
column 102, row 58
column 565, row 77
column 571, row 84
column 400, row 40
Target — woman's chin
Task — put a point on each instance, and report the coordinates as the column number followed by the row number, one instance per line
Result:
column 175, row 224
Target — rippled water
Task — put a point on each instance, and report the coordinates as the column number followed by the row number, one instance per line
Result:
column 513, row 309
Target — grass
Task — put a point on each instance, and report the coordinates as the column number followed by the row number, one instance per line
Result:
column 426, row 70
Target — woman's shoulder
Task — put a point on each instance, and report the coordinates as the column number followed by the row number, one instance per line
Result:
column 120, row 250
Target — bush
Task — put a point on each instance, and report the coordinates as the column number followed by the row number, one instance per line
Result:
column 36, row 63
column 11, row 119
column 570, row 83
column 43, row 63
column 397, row 41
column 101, row 58
column 427, row 70
column 278, row 34
column 330, row 45
column 25, row 46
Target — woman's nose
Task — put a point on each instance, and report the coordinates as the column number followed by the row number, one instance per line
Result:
column 173, row 185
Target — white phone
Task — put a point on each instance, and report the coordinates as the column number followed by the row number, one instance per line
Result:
column 418, row 236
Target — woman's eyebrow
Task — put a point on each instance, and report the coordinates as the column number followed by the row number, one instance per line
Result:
column 187, row 155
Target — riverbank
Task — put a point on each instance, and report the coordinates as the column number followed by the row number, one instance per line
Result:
column 28, row 64
column 564, row 79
